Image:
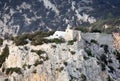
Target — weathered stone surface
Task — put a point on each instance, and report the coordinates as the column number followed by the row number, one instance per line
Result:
column 84, row 60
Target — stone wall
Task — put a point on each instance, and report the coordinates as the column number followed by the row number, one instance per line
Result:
column 72, row 34
column 101, row 38
column 68, row 35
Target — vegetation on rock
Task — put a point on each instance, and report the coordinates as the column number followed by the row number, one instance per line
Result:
column 1, row 41
column 71, row 42
column 4, row 55
column 38, row 52
column 11, row 70
column 83, row 77
column 36, row 38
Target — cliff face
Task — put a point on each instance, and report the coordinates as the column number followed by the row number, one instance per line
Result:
column 85, row 60
column 21, row 16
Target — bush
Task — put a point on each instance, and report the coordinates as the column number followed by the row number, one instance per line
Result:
column 82, row 29
column 1, row 41
column 57, row 41
column 71, row 78
column 24, row 66
column 72, row 52
column 105, row 48
column 103, row 66
column 37, row 62
column 95, row 31
column 60, row 69
column 118, row 56
column 111, row 69
column 39, row 52
column 41, row 41
column 34, row 71
column 4, row 55
column 53, row 46
column 37, row 38
column 85, row 57
column 103, row 58
column 11, row 70
column 71, row 42
column 6, row 79
column 110, row 61
column 83, row 77
column 65, row 63
column 109, row 78
column 21, row 39
column 94, row 41
column 88, row 51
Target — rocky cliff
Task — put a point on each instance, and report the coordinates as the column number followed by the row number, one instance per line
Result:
column 84, row 60
column 21, row 16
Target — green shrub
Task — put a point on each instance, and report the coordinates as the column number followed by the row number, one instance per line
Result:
column 4, row 55
column 117, row 55
column 94, row 41
column 103, row 58
column 71, row 42
column 72, row 52
column 82, row 29
column 88, row 51
column 24, row 66
column 71, row 78
column 103, row 66
column 57, row 41
column 85, row 57
column 1, row 41
column 37, row 62
column 111, row 69
column 83, row 77
column 105, row 48
column 46, row 58
column 109, row 78
column 11, row 70
column 34, row 71
column 53, row 46
column 96, row 31
column 65, row 63
column 29, row 66
column 6, row 79
column 110, row 61
column 38, row 52
column 37, row 38
column 21, row 39
column 41, row 41
column 60, row 69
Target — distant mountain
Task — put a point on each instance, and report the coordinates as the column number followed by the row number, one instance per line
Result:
column 21, row 16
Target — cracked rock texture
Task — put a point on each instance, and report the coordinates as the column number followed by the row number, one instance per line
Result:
column 85, row 60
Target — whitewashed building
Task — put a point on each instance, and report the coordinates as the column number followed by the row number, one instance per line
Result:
column 57, row 34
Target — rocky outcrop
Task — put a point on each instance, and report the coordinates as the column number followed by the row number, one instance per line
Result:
column 85, row 60
column 26, row 16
